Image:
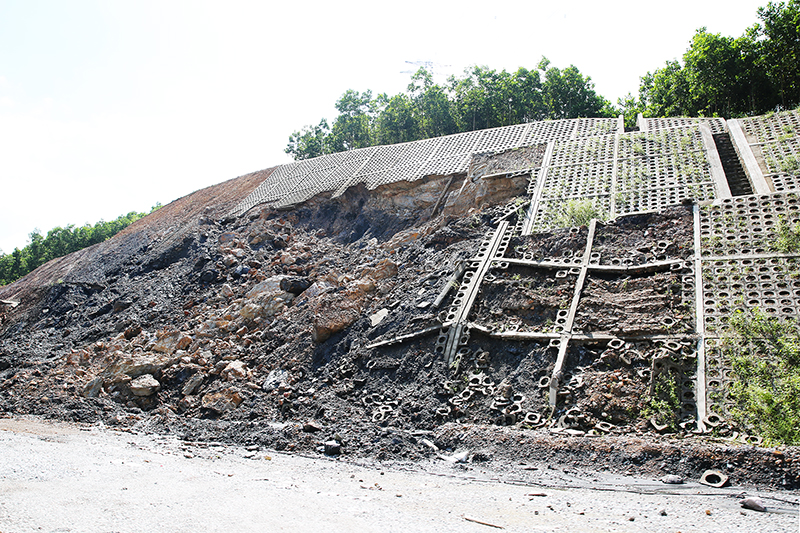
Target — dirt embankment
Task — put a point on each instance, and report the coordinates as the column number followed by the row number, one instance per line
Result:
column 269, row 329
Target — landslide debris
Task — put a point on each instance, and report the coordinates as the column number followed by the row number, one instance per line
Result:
column 313, row 328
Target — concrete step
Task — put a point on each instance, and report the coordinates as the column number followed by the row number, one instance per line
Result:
column 734, row 172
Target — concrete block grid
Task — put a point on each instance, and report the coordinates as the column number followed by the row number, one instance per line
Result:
column 730, row 263
column 727, row 264
column 628, row 173
column 769, row 147
column 716, row 125
column 442, row 156
column 557, row 271
column 743, row 270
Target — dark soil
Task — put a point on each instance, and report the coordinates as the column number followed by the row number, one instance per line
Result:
column 176, row 296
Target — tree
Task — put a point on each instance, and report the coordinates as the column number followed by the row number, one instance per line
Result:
column 630, row 108
column 432, row 107
column 396, row 122
column 481, row 98
column 309, row 142
column 723, row 76
column 484, row 98
column 351, row 129
column 781, row 47
column 568, row 94
column 59, row 242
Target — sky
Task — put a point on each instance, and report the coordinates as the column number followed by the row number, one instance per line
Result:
column 108, row 107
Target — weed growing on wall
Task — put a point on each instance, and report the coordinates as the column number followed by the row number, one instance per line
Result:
column 765, row 357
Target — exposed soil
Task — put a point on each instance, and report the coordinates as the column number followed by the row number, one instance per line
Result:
column 269, row 329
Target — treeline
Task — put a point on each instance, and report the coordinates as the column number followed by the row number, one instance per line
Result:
column 729, row 77
column 481, row 98
column 59, row 242
column 719, row 76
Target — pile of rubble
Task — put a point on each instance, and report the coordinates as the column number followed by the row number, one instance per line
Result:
column 316, row 329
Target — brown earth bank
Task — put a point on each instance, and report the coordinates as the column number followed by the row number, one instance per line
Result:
column 313, row 329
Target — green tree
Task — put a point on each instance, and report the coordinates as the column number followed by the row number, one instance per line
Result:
column 59, row 242
column 728, row 77
column 308, row 142
column 396, row 121
column 352, row 128
column 630, row 108
column 568, row 94
column 432, row 107
column 781, row 48
column 481, row 98
column 484, row 98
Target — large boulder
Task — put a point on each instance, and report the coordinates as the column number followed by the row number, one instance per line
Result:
column 145, row 385
column 222, row 401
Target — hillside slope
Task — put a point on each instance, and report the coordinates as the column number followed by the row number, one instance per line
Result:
column 397, row 319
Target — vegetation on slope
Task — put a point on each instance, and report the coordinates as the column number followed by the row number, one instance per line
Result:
column 725, row 76
column 765, row 359
column 718, row 76
column 481, row 98
column 59, row 242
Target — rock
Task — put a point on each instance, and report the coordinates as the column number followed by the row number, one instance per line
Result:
column 333, row 321
column 92, row 389
column 429, row 444
column 335, row 312
column 138, row 364
column 234, row 370
column 250, row 311
column 460, row 457
column 311, row 427
column 755, row 503
column 266, row 299
column 171, row 342
column 227, row 237
column 276, row 379
column 363, row 285
column 378, row 317
column 144, row 385
column 209, row 276
column 132, row 331
column 385, row 269
column 332, row 447
column 317, row 288
column 229, row 260
column 192, row 383
column 121, row 305
column 226, row 290
column 295, row 284
column 223, row 401
column 672, row 479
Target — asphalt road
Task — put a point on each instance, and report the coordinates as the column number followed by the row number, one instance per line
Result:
column 59, row 477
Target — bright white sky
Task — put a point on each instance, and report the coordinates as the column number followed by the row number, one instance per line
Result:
column 108, row 107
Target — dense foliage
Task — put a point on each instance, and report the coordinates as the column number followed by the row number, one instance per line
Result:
column 766, row 381
column 59, row 242
column 718, row 76
column 481, row 98
column 725, row 76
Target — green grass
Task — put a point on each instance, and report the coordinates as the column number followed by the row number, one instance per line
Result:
column 766, row 384
column 787, row 238
column 664, row 404
column 577, row 213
